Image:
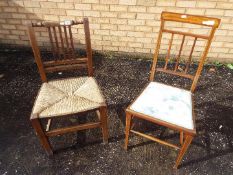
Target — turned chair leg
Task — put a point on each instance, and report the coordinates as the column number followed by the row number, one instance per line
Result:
column 127, row 129
column 42, row 137
column 187, row 141
column 104, row 125
column 181, row 137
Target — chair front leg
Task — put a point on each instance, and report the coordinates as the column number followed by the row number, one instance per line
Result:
column 42, row 137
column 104, row 125
column 184, row 147
column 127, row 129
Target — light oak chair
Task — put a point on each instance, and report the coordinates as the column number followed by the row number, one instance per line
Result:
column 63, row 97
column 166, row 105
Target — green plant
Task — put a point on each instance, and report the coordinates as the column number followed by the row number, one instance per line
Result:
column 218, row 64
column 230, row 66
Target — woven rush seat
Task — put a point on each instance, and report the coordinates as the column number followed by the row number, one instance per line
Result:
column 163, row 102
column 68, row 96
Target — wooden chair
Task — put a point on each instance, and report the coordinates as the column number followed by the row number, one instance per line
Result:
column 167, row 105
column 63, row 97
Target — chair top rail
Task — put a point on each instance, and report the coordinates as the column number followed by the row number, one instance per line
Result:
column 192, row 19
column 185, row 34
column 55, row 24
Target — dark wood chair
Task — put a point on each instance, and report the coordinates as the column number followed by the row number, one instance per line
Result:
column 63, row 97
column 167, row 105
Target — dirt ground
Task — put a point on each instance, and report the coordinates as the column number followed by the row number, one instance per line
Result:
column 121, row 79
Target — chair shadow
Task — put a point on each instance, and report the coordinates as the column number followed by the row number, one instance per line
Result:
column 211, row 124
column 210, row 156
column 86, row 144
column 207, row 125
column 82, row 139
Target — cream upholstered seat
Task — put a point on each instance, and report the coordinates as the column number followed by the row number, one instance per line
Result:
column 68, row 96
column 170, row 104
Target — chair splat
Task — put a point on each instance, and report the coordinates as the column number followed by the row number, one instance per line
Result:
column 62, row 47
column 190, row 55
column 210, row 23
column 57, row 50
column 168, row 52
column 178, row 57
column 71, row 43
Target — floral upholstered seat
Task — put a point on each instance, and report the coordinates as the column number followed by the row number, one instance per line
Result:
column 166, row 103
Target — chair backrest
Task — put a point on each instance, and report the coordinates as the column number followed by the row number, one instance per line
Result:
column 211, row 23
column 62, row 47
